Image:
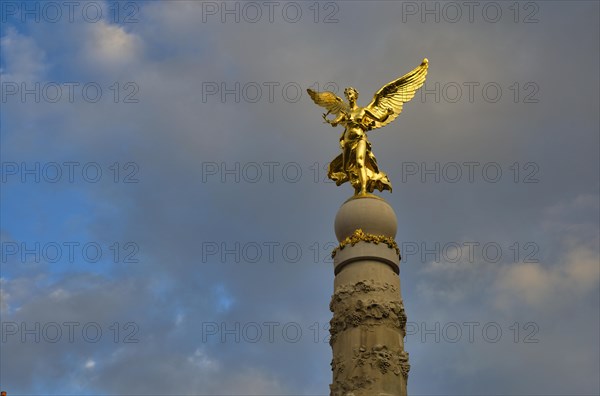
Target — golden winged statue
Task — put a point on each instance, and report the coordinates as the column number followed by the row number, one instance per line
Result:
column 356, row 163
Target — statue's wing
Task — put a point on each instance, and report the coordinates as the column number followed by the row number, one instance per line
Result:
column 333, row 103
column 394, row 94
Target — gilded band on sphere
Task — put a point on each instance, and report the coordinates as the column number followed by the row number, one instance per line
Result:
column 359, row 235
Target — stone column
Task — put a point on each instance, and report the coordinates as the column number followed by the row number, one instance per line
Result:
column 369, row 323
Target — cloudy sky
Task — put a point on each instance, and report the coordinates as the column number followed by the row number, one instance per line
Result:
column 166, row 220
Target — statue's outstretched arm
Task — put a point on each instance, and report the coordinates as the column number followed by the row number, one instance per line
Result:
column 336, row 120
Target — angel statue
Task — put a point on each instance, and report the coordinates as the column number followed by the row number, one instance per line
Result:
column 356, row 163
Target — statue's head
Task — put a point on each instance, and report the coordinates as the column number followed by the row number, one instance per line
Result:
column 351, row 94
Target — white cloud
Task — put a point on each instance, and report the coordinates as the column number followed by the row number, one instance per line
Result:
column 575, row 273
column 60, row 294
column 252, row 382
column 110, row 46
column 4, row 296
column 533, row 283
column 203, row 361
column 23, row 58
column 90, row 364
column 179, row 319
column 562, row 274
